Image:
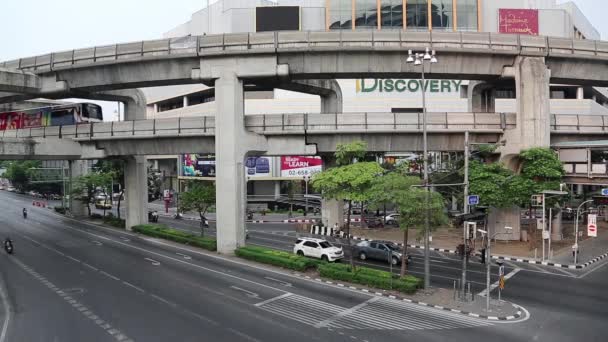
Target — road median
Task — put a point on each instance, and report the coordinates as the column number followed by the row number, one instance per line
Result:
column 164, row 232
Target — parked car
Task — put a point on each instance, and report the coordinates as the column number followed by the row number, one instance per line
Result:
column 379, row 250
column 392, row 219
column 10, row 189
column 318, row 248
column 102, row 203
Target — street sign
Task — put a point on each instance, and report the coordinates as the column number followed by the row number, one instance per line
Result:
column 592, row 225
column 604, row 192
column 473, row 199
column 546, row 234
column 501, row 271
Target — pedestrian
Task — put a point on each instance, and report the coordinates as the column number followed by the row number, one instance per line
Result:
column 574, row 251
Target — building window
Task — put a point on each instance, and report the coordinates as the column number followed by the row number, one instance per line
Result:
column 467, row 15
column 392, row 13
column 417, row 14
column 366, row 14
column 442, row 15
column 340, row 14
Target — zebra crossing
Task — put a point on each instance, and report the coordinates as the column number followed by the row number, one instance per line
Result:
column 377, row 313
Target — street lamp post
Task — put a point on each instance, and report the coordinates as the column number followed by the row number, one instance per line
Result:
column 488, row 262
column 576, row 231
column 418, row 59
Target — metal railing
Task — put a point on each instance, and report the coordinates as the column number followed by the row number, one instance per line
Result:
column 273, row 124
column 297, row 41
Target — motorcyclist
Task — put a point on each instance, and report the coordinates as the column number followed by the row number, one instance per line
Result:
column 8, row 245
column 24, row 212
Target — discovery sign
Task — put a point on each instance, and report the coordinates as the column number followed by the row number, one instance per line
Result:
column 412, row 86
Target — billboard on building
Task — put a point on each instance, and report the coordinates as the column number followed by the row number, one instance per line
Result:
column 277, row 18
column 258, row 167
column 198, row 165
column 518, row 21
column 298, row 166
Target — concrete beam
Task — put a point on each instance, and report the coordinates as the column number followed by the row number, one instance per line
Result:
column 482, row 97
column 18, row 81
column 154, row 145
column 39, row 148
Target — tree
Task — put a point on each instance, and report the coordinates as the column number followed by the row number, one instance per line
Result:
column 199, row 197
column 19, row 173
column 86, row 186
column 155, row 183
column 348, row 183
column 394, row 187
column 117, row 168
column 413, row 211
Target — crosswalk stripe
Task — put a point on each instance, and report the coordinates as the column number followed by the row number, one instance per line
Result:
column 377, row 313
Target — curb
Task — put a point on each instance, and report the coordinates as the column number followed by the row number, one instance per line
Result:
column 417, row 302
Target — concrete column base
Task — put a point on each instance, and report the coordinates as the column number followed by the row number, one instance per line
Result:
column 77, row 168
column 136, row 183
column 332, row 212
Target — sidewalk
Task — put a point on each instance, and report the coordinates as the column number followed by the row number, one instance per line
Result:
column 588, row 247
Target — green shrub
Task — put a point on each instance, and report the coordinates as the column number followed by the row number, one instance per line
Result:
column 164, row 232
column 276, row 258
column 60, row 210
column 370, row 277
column 96, row 216
column 114, row 221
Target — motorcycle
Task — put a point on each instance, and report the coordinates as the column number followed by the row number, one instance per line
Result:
column 177, row 216
column 153, row 216
column 8, row 246
column 24, row 213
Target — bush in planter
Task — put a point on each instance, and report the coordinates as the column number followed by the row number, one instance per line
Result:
column 164, row 232
column 60, row 209
column 96, row 216
column 276, row 258
column 370, row 277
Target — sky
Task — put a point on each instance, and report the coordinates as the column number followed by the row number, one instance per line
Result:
column 34, row 27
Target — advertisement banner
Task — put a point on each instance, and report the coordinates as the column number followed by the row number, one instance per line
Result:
column 518, row 21
column 298, row 167
column 197, row 165
column 258, row 167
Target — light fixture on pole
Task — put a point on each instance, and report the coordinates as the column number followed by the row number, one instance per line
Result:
column 418, row 60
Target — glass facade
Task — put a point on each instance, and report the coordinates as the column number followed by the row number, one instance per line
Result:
column 366, row 14
column 392, row 13
column 417, row 14
column 445, row 15
column 466, row 15
column 340, row 14
column 442, row 15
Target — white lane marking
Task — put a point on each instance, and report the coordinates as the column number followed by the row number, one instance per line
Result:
column 248, row 293
column 109, row 275
column 439, row 261
column 75, row 304
column 274, row 298
column 243, row 335
column 187, row 257
column 124, row 239
column 133, row 286
column 495, row 285
column 593, row 270
column 91, row 267
column 96, row 243
column 559, row 269
column 7, row 313
column 154, row 262
column 284, row 283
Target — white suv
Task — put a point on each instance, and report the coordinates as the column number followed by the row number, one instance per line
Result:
column 318, row 248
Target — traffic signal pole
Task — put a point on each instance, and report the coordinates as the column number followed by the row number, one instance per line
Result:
column 466, row 211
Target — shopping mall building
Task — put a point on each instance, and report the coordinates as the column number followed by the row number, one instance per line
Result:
column 267, row 180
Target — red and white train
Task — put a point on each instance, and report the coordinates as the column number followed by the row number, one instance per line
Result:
column 71, row 114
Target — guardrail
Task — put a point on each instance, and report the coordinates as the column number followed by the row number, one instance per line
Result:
column 298, row 41
column 277, row 124
column 591, row 170
column 272, row 124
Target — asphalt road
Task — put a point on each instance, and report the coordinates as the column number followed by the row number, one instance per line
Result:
column 69, row 281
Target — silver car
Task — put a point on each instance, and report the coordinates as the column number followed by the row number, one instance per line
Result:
column 379, row 250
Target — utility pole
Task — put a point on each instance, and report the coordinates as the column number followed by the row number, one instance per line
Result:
column 418, row 59
column 465, row 211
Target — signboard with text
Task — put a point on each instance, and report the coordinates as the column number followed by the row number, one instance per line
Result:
column 592, row 225
column 258, row 167
column 299, row 166
column 518, row 21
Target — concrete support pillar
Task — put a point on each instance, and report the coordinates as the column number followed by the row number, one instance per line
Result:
column 232, row 144
column 580, row 189
column 533, row 112
column 332, row 101
column 136, row 183
column 77, row 168
column 185, row 101
column 277, row 189
column 156, row 108
column 557, row 228
column 332, row 212
column 580, row 93
column 482, row 97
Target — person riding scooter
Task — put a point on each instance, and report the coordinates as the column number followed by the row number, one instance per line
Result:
column 8, row 246
column 24, row 213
